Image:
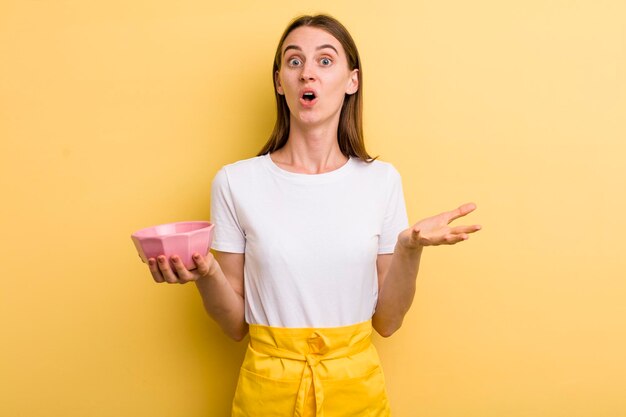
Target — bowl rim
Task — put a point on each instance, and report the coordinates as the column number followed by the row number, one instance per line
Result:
column 207, row 225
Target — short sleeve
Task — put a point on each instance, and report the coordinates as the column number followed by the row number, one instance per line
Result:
column 228, row 235
column 395, row 219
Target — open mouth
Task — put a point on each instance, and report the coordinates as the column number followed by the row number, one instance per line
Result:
column 308, row 96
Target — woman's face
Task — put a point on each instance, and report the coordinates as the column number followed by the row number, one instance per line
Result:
column 314, row 76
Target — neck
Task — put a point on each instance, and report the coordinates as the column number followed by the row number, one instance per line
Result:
column 310, row 150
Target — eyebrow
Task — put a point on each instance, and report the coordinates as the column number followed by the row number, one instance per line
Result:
column 297, row 48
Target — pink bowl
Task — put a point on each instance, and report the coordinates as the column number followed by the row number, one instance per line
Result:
column 180, row 238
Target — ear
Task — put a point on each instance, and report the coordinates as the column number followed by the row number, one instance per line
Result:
column 279, row 88
column 353, row 83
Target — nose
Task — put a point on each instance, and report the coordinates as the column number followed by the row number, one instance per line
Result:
column 308, row 72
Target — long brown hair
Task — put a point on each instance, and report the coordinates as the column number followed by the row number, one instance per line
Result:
column 350, row 129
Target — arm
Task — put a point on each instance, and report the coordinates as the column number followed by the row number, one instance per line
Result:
column 397, row 272
column 219, row 280
column 395, row 295
column 222, row 293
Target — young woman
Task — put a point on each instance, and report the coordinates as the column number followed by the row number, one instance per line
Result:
column 312, row 243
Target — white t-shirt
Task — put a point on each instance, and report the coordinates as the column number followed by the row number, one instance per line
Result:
column 310, row 241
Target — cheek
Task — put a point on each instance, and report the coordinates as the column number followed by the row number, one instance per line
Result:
column 339, row 88
column 341, row 82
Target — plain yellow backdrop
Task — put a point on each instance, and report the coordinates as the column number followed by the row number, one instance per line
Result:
column 116, row 115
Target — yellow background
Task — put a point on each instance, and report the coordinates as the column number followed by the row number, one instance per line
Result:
column 115, row 115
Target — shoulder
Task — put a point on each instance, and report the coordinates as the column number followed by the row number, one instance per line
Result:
column 240, row 169
column 243, row 177
column 244, row 166
column 377, row 168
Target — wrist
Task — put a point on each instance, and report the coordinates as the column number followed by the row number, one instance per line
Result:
column 409, row 251
column 409, row 241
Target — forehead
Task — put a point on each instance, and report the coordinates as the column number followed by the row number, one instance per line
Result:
column 308, row 37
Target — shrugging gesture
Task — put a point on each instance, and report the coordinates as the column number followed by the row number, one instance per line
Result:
column 436, row 230
column 397, row 273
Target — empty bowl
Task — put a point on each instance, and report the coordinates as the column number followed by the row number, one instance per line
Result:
column 179, row 238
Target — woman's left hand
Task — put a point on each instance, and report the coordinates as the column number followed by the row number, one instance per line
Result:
column 435, row 230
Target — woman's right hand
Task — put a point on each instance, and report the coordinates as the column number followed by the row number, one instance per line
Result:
column 162, row 271
column 220, row 283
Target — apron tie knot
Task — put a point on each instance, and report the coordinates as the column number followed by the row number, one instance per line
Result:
column 316, row 348
column 312, row 360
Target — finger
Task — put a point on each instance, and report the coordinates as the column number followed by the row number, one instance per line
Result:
column 461, row 211
column 465, row 229
column 202, row 266
column 164, row 266
column 154, row 270
column 181, row 272
column 453, row 239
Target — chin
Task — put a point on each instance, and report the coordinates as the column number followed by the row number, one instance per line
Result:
column 315, row 119
column 309, row 119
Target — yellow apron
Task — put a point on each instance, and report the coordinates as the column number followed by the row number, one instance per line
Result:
column 311, row 372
